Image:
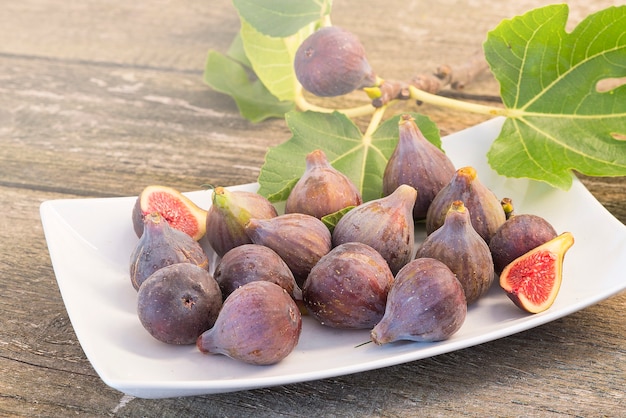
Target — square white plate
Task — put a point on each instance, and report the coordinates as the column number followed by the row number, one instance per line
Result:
column 90, row 242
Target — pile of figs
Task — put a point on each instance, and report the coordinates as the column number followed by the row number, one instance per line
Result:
column 366, row 271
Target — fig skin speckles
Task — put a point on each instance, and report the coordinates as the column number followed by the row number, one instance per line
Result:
column 385, row 224
column 259, row 324
column 348, row 287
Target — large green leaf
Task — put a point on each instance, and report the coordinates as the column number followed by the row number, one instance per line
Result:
column 272, row 58
column 281, row 18
column 254, row 101
column 558, row 119
column 362, row 159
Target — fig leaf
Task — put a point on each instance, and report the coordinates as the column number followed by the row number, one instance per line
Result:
column 253, row 100
column 272, row 59
column 280, row 18
column 559, row 119
column 362, row 159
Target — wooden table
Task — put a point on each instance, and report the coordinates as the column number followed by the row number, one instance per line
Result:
column 101, row 98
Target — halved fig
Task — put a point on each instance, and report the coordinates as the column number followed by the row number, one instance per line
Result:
column 532, row 281
column 178, row 210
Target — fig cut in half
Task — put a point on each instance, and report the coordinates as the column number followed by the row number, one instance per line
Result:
column 532, row 281
column 177, row 209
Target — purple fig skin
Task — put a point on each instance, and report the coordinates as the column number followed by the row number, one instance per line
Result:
column 485, row 208
column 425, row 303
column 259, row 324
column 331, row 62
column 299, row 239
column 417, row 162
column 178, row 303
column 458, row 246
column 385, row 224
column 230, row 212
column 348, row 287
column 518, row 235
column 251, row 262
column 161, row 245
column 322, row 189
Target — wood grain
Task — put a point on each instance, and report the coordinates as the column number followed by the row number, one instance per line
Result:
column 101, row 98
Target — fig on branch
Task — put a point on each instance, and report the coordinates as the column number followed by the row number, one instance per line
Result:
column 518, row 235
column 332, row 62
column 230, row 212
column 417, row 162
column 322, row 189
column 259, row 324
column 532, row 281
column 425, row 303
column 485, row 209
column 385, row 224
column 458, row 246
column 178, row 210
column 161, row 245
column 178, row 303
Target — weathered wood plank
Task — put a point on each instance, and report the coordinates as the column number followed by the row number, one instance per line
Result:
column 102, row 98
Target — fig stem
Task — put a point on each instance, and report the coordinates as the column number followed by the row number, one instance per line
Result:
column 434, row 99
column 303, row 104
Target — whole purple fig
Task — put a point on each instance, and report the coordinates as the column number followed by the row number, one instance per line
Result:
column 251, row 262
column 332, row 62
column 485, row 208
column 299, row 239
column 385, row 224
column 348, row 287
column 161, row 245
column 518, row 235
column 230, row 212
column 259, row 324
column 178, row 302
column 322, row 189
column 458, row 246
column 417, row 162
column 425, row 303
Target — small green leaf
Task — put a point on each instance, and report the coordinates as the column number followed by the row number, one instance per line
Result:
column 281, row 18
column 331, row 219
column 254, row 101
column 360, row 158
column 559, row 121
column 272, row 59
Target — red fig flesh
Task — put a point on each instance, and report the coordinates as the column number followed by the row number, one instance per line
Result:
column 177, row 209
column 532, row 281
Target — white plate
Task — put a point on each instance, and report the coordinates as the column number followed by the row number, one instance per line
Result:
column 90, row 241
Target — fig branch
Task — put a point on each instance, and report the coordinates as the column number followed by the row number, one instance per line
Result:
column 423, row 88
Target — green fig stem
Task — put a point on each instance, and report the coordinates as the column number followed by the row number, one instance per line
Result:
column 433, row 99
column 353, row 112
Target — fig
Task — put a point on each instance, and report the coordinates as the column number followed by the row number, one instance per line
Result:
column 385, row 224
column 331, row 62
column 322, row 189
column 299, row 239
column 458, row 246
column 178, row 210
column 425, row 303
column 259, row 324
column 230, row 212
column 485, row 209
column 161, row 245
column 251, row 262
column 532, row 281
column 178, row 303
column 518, row 235
column 417, row 162
column 348, row 287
